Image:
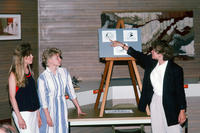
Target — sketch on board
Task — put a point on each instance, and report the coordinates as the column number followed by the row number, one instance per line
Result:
column 119, row 50
column 130, row 36
column 108, row 35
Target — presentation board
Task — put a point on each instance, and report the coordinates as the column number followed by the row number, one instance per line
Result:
column 130, row 37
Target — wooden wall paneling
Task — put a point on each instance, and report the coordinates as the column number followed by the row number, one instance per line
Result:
column 72, row 26
column 29, row 19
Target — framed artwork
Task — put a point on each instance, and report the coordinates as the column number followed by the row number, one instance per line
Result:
column 175, row 27
column 10, row 26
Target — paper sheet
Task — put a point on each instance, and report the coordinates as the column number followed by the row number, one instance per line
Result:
column 119, row 51
column 108, row 35
column 130, row 35
column 119, row 111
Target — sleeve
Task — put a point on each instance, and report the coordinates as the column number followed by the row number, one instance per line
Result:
column 143, row 59
column 180, row 89
column 42, row 92
column 69, row 88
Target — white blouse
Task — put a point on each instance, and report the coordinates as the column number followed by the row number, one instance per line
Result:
column 157, row 77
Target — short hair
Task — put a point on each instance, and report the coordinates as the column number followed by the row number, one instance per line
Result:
column 48, row 53
column 162, row 47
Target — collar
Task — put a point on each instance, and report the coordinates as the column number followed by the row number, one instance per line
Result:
column 162, row 65
column 48, row 70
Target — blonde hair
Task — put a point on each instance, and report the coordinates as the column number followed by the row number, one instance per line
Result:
column 48, row 53
column 17, row 66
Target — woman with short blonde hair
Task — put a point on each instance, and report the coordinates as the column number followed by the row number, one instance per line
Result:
column 48, row 53
column 53, row 83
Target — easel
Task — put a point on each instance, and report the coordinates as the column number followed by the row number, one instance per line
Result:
column 107, row 77
column 134, row 74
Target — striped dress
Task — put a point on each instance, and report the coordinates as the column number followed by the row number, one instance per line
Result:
column 51, row 90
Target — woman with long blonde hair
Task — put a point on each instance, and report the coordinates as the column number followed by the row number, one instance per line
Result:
column 22, row 91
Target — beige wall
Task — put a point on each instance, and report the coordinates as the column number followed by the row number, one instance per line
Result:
column 28, row 11
column 72, row 26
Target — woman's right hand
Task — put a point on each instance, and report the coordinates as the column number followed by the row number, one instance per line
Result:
column 48, row 117
column 49, row 121
column 39, row 119
column 116, row 43
column 21, row 123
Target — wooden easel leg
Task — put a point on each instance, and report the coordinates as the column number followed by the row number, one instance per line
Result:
column 133, row 81
column 106, row 88
column 101, row 85
column 137, row 75
column 120, row 23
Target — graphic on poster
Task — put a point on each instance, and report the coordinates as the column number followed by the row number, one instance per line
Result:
column 130, row 35
column 119, row 50
column 108, row 35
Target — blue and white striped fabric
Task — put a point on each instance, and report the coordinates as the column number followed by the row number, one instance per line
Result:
column 51, row 90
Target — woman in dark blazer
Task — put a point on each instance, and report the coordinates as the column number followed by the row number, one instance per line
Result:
column 163, row 87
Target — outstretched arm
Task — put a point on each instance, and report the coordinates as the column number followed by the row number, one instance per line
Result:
column 139, row 56
column 117, row 43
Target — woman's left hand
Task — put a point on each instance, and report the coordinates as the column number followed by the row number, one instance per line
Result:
column 80, row 113
column 182, row 117
column 78, row 108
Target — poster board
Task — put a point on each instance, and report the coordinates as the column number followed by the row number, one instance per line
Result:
column 130, row 37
